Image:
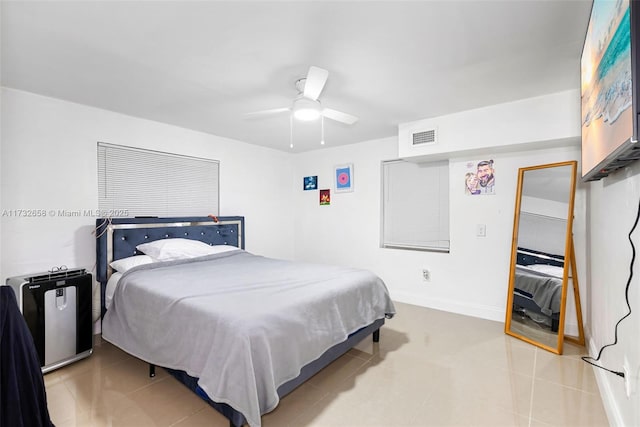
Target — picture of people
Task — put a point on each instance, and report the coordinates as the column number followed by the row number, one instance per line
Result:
column 480, row 178
column 471, row 183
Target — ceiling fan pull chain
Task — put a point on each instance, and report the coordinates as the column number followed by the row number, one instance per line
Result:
column 290, row 130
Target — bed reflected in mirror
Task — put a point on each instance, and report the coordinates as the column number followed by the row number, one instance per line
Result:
column 541, row 256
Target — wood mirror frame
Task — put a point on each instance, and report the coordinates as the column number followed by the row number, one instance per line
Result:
column 542, row 257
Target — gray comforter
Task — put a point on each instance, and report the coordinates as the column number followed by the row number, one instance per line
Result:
column 546, row 290
column 243, row 324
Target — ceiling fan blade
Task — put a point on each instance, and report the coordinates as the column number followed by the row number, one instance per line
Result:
column 339, row 116
column 316, row 79
column 257, row 114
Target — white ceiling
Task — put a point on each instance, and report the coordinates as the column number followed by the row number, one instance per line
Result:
column 551, row 183
column 204, row 64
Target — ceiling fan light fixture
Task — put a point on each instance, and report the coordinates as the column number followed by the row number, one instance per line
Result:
column 306, row 109
column 306, row 114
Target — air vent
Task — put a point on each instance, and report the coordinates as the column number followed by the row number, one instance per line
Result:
column 424, row 137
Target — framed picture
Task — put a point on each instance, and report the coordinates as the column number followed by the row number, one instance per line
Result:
column 343, row 178
column 310, row 183
column 325, row 197
column 480, row 178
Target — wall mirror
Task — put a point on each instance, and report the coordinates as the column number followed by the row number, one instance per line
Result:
column 542, row 257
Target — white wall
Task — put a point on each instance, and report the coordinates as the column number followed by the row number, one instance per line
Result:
column 546, row 229
column 542, row 233
column 48, row 162
column 472, row 279
column 546, row 207
column 613, row 206
column 0, row 152
column 537, row 122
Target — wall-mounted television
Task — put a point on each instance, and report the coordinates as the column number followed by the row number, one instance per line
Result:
column 610, row 88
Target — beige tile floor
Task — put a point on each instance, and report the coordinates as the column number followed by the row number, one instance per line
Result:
column 430, row 368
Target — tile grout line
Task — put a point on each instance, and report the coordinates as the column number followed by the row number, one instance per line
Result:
column 570, row 387
column 187, row 416
column 533, row 385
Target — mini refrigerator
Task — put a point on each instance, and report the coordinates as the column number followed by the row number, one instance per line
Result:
column 57, row 307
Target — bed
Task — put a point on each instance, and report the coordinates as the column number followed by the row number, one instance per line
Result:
column 239, row 330
column 538, row 287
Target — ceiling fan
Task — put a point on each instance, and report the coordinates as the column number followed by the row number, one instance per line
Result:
column 306, row 106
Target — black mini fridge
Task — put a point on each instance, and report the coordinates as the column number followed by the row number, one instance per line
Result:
column 57, row 307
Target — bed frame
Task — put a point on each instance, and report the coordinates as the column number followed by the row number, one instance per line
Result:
column 117, row 238
column 525, row 301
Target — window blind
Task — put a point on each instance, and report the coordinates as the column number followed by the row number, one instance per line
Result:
column 415, row 205
column 153, row 183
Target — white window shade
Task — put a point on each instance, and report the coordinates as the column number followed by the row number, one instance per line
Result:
column 153, row 183
column 415, row 205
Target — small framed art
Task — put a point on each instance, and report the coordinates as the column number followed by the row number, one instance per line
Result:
column 325, row 197
column 310, row 183
column 343, row 178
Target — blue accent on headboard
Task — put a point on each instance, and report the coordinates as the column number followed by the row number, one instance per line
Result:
column 124, row 234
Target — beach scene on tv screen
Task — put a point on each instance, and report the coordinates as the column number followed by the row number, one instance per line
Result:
column 607, row 117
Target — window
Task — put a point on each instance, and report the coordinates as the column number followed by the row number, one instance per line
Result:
column 415, row 205
column 145, row 182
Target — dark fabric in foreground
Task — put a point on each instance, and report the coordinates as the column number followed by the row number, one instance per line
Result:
column 23, row 400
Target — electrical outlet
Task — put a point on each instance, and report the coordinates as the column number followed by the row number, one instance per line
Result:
column 481, row 230
column 426, row 275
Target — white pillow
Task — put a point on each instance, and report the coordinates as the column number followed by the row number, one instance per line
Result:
column 172, row 249
column 125, row 264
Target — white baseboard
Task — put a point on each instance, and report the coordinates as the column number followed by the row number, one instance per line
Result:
column 97, row 327
column 474, row 310
column 570, row 329
column 604, row 385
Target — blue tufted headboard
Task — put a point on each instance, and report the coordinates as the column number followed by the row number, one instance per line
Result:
column 118, row 237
